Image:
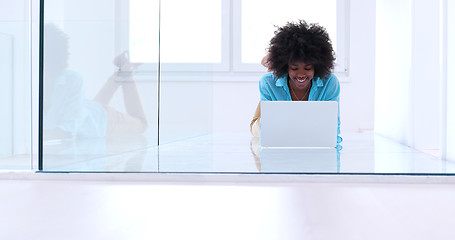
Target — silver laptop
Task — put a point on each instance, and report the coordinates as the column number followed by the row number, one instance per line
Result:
column 299, row 124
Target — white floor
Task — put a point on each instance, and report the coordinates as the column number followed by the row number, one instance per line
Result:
column 47, row 207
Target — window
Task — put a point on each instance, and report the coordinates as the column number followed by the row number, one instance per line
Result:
column 256, row 21
column 225, row 35
column 143, row 30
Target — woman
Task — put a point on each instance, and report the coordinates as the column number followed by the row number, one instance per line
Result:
column 300, row 63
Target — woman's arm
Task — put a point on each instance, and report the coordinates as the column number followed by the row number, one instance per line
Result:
column 255, row 123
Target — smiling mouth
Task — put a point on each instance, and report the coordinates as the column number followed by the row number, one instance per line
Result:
column 301, row 80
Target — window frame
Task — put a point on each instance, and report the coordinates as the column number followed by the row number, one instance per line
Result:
column 231, row 43
column 341, row 50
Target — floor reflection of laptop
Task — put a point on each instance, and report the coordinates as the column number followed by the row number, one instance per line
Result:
column 299, row 124
column 299, row 160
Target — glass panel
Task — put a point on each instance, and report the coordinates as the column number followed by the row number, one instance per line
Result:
column 203, row 115
column 99, row 114
column 190, row 34
column 15, row 93
column 450, row 80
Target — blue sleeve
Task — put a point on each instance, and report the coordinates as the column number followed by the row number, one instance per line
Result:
column 333, row 89
column 333, row 94
column 264, row 89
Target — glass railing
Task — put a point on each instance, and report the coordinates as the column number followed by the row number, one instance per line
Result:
column 99, row 107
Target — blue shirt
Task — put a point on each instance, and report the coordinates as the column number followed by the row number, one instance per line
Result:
column 273, row 88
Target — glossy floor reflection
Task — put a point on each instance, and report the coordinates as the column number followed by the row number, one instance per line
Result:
column 240, row 153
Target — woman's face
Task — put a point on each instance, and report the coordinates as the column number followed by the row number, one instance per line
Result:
column 300, row 75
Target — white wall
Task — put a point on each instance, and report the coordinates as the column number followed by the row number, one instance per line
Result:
column 357, row 96
column 408, row 73
column 393, row 69
column 426, row 75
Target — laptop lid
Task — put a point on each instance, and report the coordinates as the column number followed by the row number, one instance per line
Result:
column 299, row 124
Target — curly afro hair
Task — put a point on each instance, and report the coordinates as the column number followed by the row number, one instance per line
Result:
column 308, row 43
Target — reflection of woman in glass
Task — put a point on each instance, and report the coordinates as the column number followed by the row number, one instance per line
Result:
column 301, row 60
column 67, row 112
